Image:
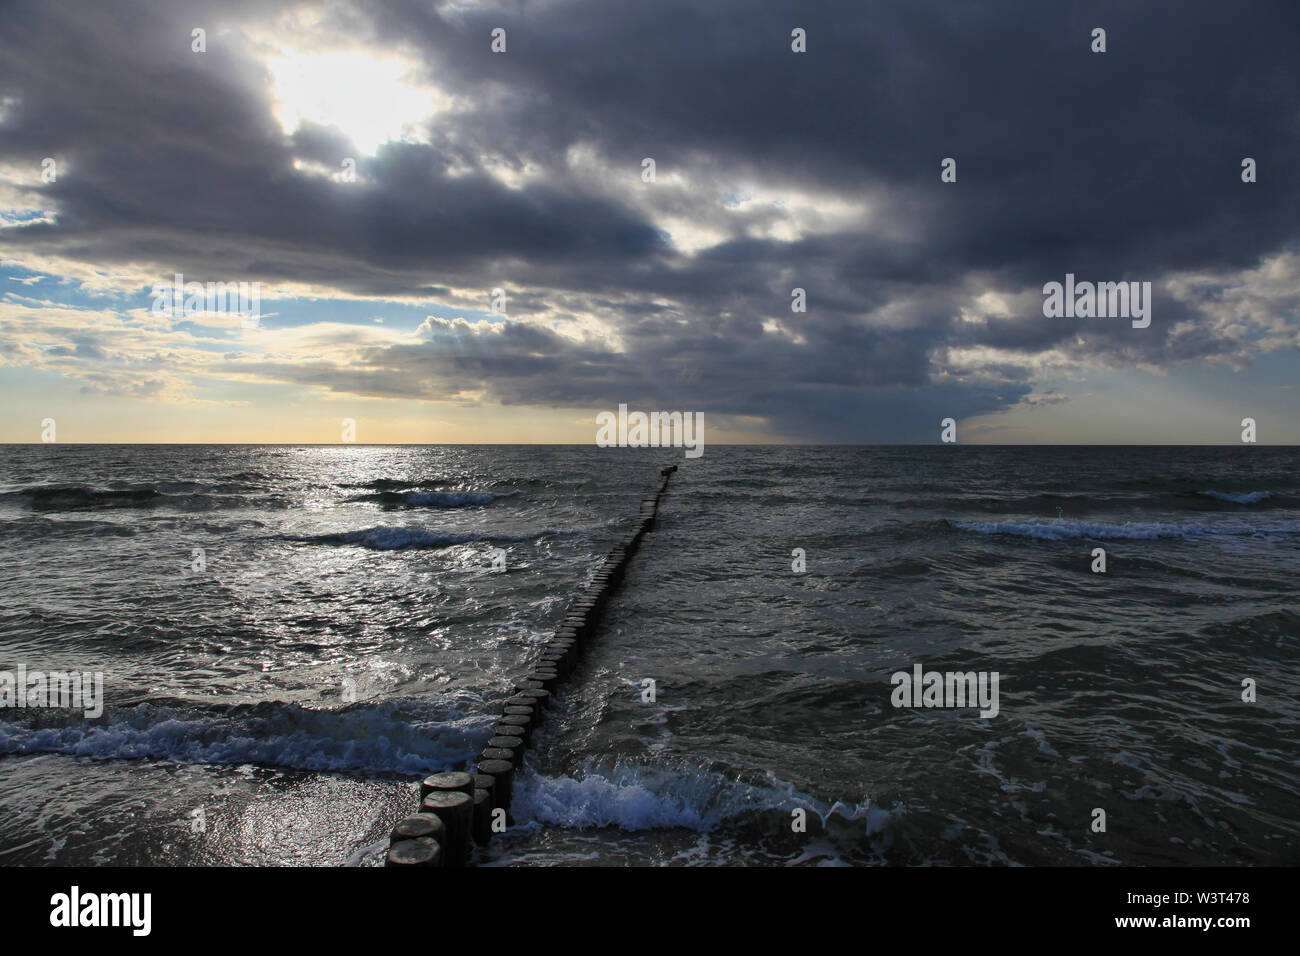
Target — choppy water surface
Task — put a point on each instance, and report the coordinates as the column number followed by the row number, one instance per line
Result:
column 291, row 636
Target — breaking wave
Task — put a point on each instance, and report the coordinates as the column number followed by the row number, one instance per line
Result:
column 1241, row 498
column 395, row 736
column 386, row 538
column 633, row 797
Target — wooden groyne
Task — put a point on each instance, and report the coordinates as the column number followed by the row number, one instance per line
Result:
column 465, row 808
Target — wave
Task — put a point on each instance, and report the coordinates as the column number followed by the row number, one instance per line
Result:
column 39, row 527
column 435, row 499
column 186, row 495
column 1276, row 628
column 1059, row 529
column 394, row 484
column 256, row 477
column 386, row 538
column 637, row 797
column 399, row 736
column 67, row 497
column 1242, row 498
column 1098, row 500
column 1000, row 503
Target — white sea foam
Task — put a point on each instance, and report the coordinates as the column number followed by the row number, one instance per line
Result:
column 1243, row 498
column 634, row 797
column 358, row 739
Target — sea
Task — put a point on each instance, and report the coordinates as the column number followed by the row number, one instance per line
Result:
column 290, row 637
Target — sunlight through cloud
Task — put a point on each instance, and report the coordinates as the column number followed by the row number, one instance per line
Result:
column 371, row 100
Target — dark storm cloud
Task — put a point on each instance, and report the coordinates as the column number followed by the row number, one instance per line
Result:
column 1116, row 166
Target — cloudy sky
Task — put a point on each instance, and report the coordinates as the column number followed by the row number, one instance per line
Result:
column 127, row 156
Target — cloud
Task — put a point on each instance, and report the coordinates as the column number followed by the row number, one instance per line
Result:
column 775, row 170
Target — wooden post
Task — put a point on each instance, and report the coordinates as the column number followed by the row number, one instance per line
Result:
column 456, row 810
column 421, row 852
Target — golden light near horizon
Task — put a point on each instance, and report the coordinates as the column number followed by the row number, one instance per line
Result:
column 371, row 100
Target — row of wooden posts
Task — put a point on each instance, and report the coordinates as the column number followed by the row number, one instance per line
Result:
column 459, row 809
